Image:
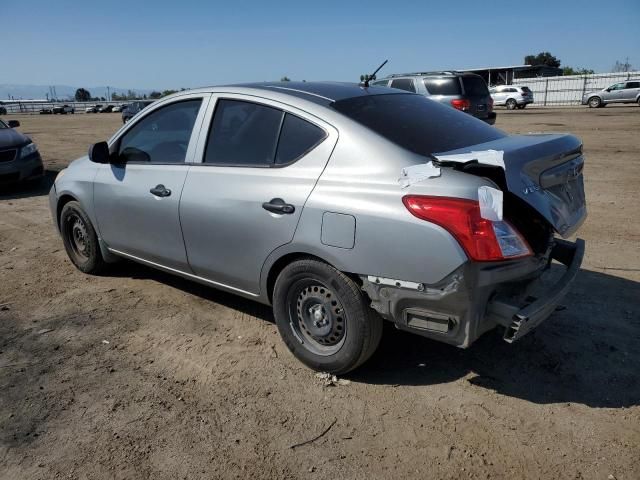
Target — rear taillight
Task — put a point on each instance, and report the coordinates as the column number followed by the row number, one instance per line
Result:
column 461, row 104
column 483, row 240
column 490, row 103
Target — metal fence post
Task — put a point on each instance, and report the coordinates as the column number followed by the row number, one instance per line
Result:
column 546, row 88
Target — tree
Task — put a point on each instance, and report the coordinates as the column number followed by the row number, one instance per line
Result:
column 622, row 66
column 168, row 92
column 577, row 71
column 82, row 95
column 155, row 94
column 285, row 79
column 543, row 58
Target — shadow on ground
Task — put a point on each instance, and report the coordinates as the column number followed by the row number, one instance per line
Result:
column 585, row 354
column 33, row 188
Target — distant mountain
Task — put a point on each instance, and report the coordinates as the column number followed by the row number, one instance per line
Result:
column 63, row 92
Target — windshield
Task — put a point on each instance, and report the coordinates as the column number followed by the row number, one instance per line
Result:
column 416, row 123
column 474, row 86
column 526, row 89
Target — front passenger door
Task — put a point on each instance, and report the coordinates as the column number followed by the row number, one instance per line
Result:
column 137, row 196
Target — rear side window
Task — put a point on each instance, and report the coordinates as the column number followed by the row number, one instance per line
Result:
column 297, row 137
column 633, row 84
column 475, row 86
column 403, row 84
column 416, row 123
column 442, row 86
column 526, row 89
column 252, row 135
column 243, row 133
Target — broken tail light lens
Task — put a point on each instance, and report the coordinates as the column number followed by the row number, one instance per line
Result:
column 461, row 104
column 483, row 240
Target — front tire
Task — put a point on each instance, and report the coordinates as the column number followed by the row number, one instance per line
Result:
column 511, row 104
column 594, row 102
column 80, row 239
column 324, row 318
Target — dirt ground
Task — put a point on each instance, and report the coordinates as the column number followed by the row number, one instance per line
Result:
column 139, row 374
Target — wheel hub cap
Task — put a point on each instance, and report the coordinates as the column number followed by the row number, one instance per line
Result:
column 320, row 316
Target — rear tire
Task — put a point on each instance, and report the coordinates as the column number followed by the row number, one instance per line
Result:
column 324, row 318
column 80, row 239
column 511, row 104
column 594, row 102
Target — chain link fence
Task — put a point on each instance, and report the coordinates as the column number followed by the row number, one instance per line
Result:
column 568, row 90
column 17, row 106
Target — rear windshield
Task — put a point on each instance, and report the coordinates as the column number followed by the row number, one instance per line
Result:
column 443, row 86
column 474, row 86
column 416, row 123
column 526, row 89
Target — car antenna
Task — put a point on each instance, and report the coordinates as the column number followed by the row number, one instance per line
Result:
column 366, row 78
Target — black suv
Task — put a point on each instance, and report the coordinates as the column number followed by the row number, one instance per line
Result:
column 465, row 91
column 134, row 108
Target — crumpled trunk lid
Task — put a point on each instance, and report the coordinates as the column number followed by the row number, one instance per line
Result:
column 543, row 170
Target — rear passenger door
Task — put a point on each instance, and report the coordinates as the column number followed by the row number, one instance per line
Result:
column 257, row 164
column 631, row 91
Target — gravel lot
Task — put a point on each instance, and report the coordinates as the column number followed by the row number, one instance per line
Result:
column 138, row 374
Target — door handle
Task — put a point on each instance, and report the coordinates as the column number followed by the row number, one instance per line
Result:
column 160, row 191
column 278, row 205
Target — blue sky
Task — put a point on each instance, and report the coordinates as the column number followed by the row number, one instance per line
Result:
column 187, row 43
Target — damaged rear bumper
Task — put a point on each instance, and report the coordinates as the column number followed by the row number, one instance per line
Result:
column 519, row 320
column 477, row 297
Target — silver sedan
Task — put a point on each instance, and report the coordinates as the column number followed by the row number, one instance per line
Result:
column 337, row 204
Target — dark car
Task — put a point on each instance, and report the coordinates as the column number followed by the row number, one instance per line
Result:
column 134, row 108
column 466, row 92
column 63, row 110
column 19, row 156
column 45, row 111
column 3, row 110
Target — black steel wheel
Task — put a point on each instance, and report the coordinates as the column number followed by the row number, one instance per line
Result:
column 324, row 318
column 80, row 239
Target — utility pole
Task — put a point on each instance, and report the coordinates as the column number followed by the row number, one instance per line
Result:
column 108, row 94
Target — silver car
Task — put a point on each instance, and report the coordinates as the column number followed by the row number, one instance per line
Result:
column 338, row 205
column 511, row 96
column 623, row 92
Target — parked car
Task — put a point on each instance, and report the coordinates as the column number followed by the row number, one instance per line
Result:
column 289, row 194
column 119, row 108
column 106, row 109
column 133, row 108
column 466, row 92
column 3, row 110
column 63, row 109
column 19, row 156
column 623, row 92
column 45, row 111
column 511, row 96
column 93, row 109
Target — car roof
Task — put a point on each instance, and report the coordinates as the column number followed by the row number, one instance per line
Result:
column 322, row 93
column 446, row 73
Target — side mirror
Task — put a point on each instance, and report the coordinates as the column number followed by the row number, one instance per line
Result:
column 99, row 152
column 13, row 123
